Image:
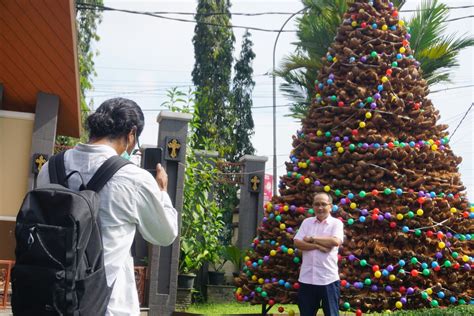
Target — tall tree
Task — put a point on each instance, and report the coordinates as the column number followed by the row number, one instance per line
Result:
column 213, row 46
column 242, row 88
column 316, row 29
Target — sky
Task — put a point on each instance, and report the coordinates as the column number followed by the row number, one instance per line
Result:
column 142, row 57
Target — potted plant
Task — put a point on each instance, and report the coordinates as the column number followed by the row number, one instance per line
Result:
column 234, row 255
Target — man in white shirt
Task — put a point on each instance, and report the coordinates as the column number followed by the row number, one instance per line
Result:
column 131, row 199
column 319, row 238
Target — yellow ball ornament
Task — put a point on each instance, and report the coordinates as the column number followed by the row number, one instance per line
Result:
column 361, row 124
column 384, row 79
column 402, row 50
column 441, row 245
column 338, row 144
column 434, row 147
column 368, row 115
column 286, row 208
column 273, row 252
column 247, row 258
column 254, row 277
column 384, row 27
column 353, row 205
column 419, row 212
column 398, row 305
column 378, row 274
column 392, row 277
column 307, row 181
column 290, row 251
column 354, row 23
column 401, row 23
column 429, row 291
column 327, row 188
column 340, row 150
column 399, row 216
column 261, row 280
column 453, row 210
column 282, row 226
column 239, row 290
column 465, row 258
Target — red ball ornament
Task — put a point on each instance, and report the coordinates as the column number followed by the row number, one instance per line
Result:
column 402, row 289
column 405, row 43
column 395, row 13
column 240, row 298
column 456, row 196
column 375, row 192
column 376, row 211
column 271, row 302
column 375, row 268
column 358, row 312
column 248, row 263
column 388, row 72
column 301, row 210
column 354, row 17
column 393, row 225
column 312, row 159
column 374, row 217
column 281, row 309
column 410, row 191
column 440, row 235
column 437, row 268
column 429, row 233
column 414, row 273
column 421, row 200
column 296, row 285
column 465, row 214
column 456, row 266
column 438, row 142
column 343, row 283
column 363, row 25
column 355, row 132
column 391, row 145
column 302, row 178
column 416, row 106
column 340, row 104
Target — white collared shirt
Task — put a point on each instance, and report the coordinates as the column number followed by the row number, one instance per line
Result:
column 131, row 199
column 320, row 268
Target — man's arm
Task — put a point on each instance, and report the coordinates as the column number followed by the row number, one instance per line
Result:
column 328, row 242
column 306, row 246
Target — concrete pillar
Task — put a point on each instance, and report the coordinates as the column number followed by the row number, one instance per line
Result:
column 251, row 199
column 163, row 264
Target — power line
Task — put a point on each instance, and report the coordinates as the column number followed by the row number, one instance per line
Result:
column 453, row 88
column 465, row 114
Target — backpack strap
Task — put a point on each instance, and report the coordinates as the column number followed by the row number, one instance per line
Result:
column 57, row 171
column 105, row 172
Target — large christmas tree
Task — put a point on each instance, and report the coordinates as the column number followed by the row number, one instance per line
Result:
column 372, row 141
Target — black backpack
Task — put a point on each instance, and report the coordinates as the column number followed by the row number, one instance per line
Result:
column 59, row 267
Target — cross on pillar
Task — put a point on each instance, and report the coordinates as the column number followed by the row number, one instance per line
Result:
column 174, row 145
column 255, row 181
column 40, row 161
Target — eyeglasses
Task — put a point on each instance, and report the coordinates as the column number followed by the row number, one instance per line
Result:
column 320, row 204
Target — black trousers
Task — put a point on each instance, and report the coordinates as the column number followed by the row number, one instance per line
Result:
column 312, row 297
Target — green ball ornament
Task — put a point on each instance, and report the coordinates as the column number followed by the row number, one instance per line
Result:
column 387, row 191
column 367, row 281
column 346, row 305
column 455, row 254
column 394, row 64
column 414, row 260
column 278, row 218
column 410, row 214
column 260, row 262
column 264, row 294
column 447, row 264
column 424, row 295
column 417, row 232
column 333, row 98
column 327, row 134
column 373, row 54
column 363, row 263
column 311, row 211
column 370, row 99
column 401, row 271
column 362, row 194
column 462, row 302
column 434, row 303
column 426, row 272
column 296, row 260
column 352, row 147
column 337, row 192
column 350, row 221
column 320, row 154
column 258, row 289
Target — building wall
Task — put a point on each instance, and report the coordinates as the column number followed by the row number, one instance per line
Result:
column 16, row 130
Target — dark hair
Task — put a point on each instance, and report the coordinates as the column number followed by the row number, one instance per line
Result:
column 115, row 118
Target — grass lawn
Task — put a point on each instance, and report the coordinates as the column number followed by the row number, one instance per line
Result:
column 238, row 308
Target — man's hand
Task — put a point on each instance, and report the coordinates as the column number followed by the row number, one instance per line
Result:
column 161, row 177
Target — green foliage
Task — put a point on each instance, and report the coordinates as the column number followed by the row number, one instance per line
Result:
column 213, row 47
column 201, row 221
column 317, row 27
column 242, row 88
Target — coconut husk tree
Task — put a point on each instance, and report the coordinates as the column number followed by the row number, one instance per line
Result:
column 371, row 140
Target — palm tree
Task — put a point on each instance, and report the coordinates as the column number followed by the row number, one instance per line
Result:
column 316, row 30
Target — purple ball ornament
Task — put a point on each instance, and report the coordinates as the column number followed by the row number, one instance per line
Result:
column 380, row 218
column 388, row 288
column 363, row 59
column 449, row 235
column 403, row 300
column 264, row 219
column 374, row 288
column 274, row 280
column 267, row 281
column 439, row 255
column 390, row 268
column 387, row 215
column 407, row 36
column 289, row 229
column 317, row 183
column 377, row 96
column 467, row 267
column 295, row 168
column 292, row 208
column 266, row 258
column 331, row 76
column 364, row 212
column 410, row 291
column 346, row 138
column 421, row 193
column 337, row 138
column 351, row 257
column 373, row 105
column 390, row 5
column 246, row 298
